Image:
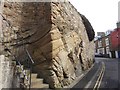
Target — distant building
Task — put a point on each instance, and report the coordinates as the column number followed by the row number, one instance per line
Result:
column 101, row 34
column 115, row 43
column 108, row 32
column 103, row 46
column 118, row 24
column 97, row 37
column 109, row 45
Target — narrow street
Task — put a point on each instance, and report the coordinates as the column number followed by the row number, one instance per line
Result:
column 59, row 44
column 104, row 75
column 110, row 78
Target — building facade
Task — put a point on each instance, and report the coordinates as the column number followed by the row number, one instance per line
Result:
column 115, row 43
column 103, row 46
column 109, row 45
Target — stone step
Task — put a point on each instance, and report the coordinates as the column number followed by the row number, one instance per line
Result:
column 35, row 81
column 38, row 85
column 33, row 75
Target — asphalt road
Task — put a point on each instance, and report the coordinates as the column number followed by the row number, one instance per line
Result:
column 110, row 79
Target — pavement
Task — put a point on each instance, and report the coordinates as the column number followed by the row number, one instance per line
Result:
column 84, row 81
column 110, row 77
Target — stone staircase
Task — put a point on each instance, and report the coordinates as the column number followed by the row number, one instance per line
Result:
column 28, row 79
column 35, row 81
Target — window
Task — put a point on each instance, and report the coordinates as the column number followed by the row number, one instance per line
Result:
column 101, row 51
column 100, row 43
column 107, row 50
column 98, row 50
column 107, row 41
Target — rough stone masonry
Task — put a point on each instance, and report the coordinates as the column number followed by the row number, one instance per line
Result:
column 56, row 35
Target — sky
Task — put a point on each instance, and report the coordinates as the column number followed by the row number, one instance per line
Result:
column 102, row 14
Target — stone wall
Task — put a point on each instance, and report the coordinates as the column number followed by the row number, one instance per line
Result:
column 6, row 72
column 6, row 67
column 55, row 36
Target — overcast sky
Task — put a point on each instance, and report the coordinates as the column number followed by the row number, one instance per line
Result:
column 103, row 14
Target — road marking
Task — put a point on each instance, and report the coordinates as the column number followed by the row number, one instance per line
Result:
column 102, row 75
column 90, row 82
column 99, row 80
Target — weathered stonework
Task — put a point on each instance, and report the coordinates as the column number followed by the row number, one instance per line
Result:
column 55, row 36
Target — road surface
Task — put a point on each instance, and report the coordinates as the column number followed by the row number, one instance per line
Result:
column 110, row 78
column 104, row 75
